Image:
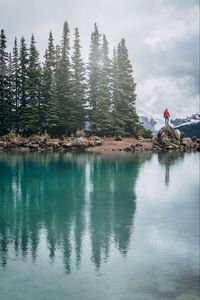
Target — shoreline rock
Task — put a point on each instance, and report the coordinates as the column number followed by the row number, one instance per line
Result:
column 169, row 138
column 14, row 143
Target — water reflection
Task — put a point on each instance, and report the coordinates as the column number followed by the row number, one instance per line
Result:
column 51, row 192
column 113, row 204
column 67, row 197
column 168, row 159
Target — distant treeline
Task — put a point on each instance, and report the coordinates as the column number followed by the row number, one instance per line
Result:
column 60, row 94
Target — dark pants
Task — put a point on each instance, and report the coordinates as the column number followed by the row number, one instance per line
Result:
column 166, row 121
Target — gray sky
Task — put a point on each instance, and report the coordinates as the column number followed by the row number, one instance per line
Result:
column 162, row 37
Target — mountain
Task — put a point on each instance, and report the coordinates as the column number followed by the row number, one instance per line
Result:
column 148, row 123
column 190, row 126
column 195, row 118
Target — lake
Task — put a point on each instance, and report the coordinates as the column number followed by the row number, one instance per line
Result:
column 99, row 227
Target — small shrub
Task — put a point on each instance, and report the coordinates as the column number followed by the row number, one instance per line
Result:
column 145, row 133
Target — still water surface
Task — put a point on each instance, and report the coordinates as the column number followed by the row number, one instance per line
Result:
column 99, row 227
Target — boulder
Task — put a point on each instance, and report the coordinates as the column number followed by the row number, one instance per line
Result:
column 55, row 146
column 95, row 141
column 172, row 146
column 67, row 145
column 194, row 138
column 33, row 147
column 156, row 148
column 98, row 142
column 3, row 144
column 92, row 143
column 133, row 147
column 168, row 138
column 171, row 139
column 140, row 138
column 168, row 134
column 182, row 135
column 42, row 144
column 128, row 149
column 81, row 142
column 118, row 138
column 186, row 142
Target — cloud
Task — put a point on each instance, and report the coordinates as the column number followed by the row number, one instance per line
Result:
column 177, row 94
column 173, row 26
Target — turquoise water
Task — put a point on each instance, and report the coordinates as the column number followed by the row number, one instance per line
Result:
column 99, row 227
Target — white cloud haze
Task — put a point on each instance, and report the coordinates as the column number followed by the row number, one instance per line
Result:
column 162, row 37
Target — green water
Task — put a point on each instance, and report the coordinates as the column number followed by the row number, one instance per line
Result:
column 99, row 227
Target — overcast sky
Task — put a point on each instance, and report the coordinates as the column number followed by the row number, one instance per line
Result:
column 162, row 37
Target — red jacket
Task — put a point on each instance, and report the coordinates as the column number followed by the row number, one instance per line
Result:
column 166, row 114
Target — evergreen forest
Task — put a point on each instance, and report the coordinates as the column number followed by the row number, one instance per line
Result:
column 62, row 94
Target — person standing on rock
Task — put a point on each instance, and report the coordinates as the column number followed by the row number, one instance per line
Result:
column 166, row 116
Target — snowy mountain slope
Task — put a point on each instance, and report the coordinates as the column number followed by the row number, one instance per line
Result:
column 190, row 126
column 194, row 119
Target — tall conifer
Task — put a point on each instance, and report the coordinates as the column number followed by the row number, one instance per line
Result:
column 33, row 90
column 16, row 86
column 63, row 86
column 4, row 109
column 23, row 77
column 126, row 120
column 9, row 103
column 115, row 93
column 94, row 73
column 103, row 119
column 50, row 105
column 78, row 85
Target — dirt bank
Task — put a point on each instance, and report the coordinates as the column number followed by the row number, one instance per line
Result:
column 127, row 144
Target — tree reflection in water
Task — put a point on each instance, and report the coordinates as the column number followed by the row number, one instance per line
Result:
column 65, row 196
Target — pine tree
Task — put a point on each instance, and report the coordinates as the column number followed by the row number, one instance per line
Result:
column 115, row 93
column 78, row 86
column 23, row 78
column 63, row 84
column 94, row 73
column 10, row 114
column 50, row 105
column 103, row 120
column 40, row 89
column 33, row 90
column 126, row 118
column 57, row 67
column 16, row 86
column 4, row 107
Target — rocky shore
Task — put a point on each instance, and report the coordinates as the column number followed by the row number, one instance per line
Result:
column 167, row 139
column 12, row 142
